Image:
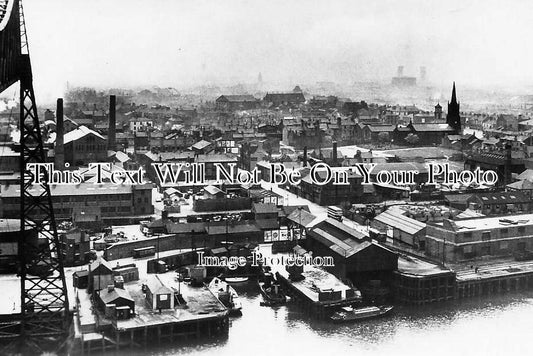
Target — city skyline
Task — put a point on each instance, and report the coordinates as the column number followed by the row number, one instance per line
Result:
column 185, row 43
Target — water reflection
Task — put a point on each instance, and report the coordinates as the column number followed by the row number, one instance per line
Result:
column 500, row 325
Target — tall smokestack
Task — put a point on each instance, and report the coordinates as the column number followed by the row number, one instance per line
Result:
column 111, row 133
column 305, row 157
column 422, row 74
column 508, row 162
column 59, row 150
column 400, row 71
column 335, row 152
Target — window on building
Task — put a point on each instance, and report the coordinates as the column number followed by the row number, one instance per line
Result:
column 521, row 229
column 467, row 235
column 485, row 250
column 485, row 236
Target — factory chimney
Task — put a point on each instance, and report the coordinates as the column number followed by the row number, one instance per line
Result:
column 400, row 71
column 304, row 163
column 111, row 133
column 334, row 153
column 422, row 74
column 508, row 162
column 60, row 133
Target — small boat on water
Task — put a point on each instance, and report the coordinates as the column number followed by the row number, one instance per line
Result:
column 227, row 295
column 236, row 279
column 353, row 314
column 271, row 290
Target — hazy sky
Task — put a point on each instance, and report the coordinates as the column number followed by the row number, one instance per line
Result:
column 180, row 42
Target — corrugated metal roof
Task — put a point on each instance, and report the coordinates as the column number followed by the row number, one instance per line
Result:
column 401, row 222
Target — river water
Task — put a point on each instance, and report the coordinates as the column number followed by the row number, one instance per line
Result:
column 495, row 326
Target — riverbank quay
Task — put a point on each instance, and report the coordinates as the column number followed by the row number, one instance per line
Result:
column 421, row 281
column 318, row 292
column 155, row 309
column 487, row 278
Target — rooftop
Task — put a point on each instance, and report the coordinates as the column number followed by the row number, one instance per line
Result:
column 527, row 174
column 231, row 228
column 302, row 217
column 177, row 228
column 432, row 127
column 12, row 191
column 237, row 98
column 396, row 219
column 339, row 237
column 216, row 158
column 80, row 132
column 317, row 280
column 156, row 286
column 484, row 223
column 200, row 145
column 260, row 208
column 400, row 166
column 211, row 189
column 525, row 184
column 9, row 225
column 502, row 197
column 108, row 297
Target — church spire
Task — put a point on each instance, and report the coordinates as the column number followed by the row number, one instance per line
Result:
column 454, row 98
column 453, row 117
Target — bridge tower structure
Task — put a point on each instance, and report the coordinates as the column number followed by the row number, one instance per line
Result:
column 43, row 321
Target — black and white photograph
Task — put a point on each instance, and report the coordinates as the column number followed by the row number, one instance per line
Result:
column 253, row 177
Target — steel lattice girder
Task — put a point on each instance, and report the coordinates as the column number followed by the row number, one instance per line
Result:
column 44, row 298
column 44, row 303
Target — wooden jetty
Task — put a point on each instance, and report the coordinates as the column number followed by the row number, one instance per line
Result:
column 202, row 316
column 320, row 293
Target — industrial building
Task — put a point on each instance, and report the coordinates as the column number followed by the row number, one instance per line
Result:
column 100, row 275
column 113, row 200
column 83, row 146
column 500, row 203
column 459, row 240
column 402, row 229
column 236, row 102
column 9, row 243
column 75, row 246
column 355, row 255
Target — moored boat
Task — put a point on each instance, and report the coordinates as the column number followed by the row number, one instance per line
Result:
column 353, row 314
column 227, row 295
column 271, row 290
column 236, row 279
